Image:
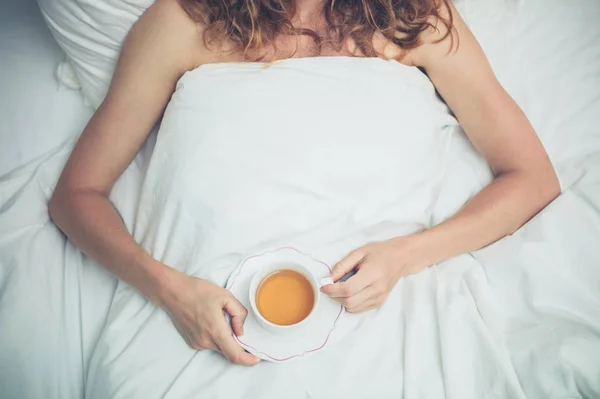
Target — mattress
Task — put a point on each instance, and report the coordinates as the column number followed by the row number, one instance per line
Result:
column 544, row 279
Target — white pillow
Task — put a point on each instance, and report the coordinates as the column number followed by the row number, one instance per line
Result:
column 91, row 33
column 36, row 114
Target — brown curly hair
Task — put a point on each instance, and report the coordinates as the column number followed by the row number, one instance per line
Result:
column 251, row 25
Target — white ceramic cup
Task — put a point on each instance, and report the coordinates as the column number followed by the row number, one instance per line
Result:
column 285, row 265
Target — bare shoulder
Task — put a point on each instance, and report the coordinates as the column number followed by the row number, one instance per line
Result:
column 161, row 46
column 442, row 39
column 165, row 31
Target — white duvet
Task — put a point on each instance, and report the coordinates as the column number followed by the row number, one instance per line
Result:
column 250, row 157
column 520, row 318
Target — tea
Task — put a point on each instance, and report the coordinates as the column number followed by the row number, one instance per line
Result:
column 285, row 297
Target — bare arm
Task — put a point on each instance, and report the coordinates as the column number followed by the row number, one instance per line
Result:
column 157, row 51
column 525, row 181
column 153, row 59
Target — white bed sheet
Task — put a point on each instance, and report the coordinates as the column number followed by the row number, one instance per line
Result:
column 545, row 278
column 36, row 113
column 42, row 338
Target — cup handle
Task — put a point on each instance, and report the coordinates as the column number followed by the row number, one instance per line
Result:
column 328, row 280
column 325, row 281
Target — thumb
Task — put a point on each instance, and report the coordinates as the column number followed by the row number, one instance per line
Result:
column 238, row 314
column 347, row 264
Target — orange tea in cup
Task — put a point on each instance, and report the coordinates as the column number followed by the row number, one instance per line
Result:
column 285, row 297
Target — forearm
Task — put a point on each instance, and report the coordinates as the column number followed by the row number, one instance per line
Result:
column 91, row 222
column 498, row 210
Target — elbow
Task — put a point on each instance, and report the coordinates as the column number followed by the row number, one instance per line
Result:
column 538, row 188
column 542, row 187
column 68, row 202
column 549, row 186
column 55, row 204
column 60, row 203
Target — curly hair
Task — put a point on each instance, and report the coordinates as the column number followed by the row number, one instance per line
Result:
column 251, row 25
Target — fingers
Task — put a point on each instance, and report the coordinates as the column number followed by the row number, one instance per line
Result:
column 359, row 293
column 206, row 343
column 370, row 301
column 197, row 342
column 350, row 287
column 348, row 263
column 358, row 301
column 367, row 299
column 231, row 349
column 363, row 308
column 225, row 341
column 238, row 314
column 184, row 334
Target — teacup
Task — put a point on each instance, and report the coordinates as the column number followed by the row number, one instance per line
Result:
column 284, row 295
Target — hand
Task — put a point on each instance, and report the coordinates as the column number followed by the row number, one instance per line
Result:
column 197, row 309
column 379, row 266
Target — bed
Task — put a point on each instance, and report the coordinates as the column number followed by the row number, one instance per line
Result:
column 523, row 312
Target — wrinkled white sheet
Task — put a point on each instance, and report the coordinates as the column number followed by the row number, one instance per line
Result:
column 519, row 318
column 250, row 158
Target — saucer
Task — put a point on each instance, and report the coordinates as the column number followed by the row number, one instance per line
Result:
column 285, row 346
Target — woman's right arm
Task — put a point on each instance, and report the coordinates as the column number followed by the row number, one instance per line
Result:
column 145, row 78
column 157, row 51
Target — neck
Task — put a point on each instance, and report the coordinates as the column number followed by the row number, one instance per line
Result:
column 309, row 11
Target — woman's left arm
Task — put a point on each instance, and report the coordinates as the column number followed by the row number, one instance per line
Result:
column 525, row 181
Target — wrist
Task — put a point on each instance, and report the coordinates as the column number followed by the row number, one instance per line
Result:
column 417, row 250
column 164, row 281
column 431, row 246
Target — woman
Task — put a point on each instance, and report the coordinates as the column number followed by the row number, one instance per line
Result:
column 174, row 37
